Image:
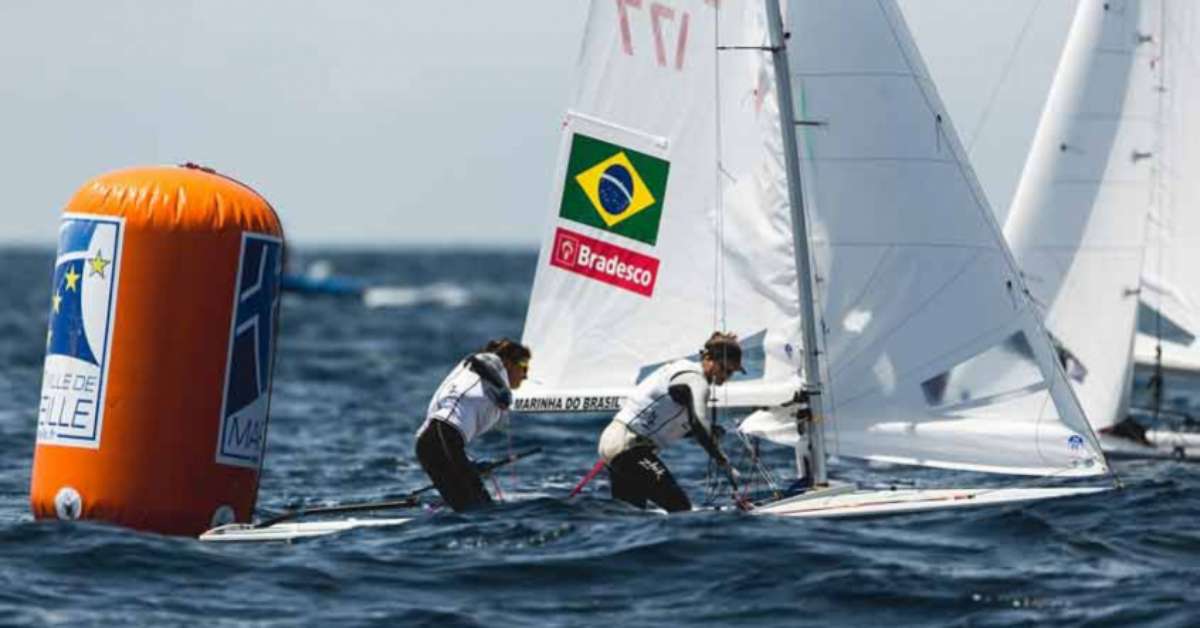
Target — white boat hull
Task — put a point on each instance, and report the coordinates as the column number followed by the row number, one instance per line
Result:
column 1166, row 445
column 859, row 503
column 288, row 531
column 838, row 501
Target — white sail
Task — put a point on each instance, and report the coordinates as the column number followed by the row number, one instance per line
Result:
column 648, row 89
column 914, row 279
column 934, row 355
column 1171, row 285
column 1077, row 224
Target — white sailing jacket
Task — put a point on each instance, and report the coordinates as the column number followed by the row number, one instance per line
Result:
column 467, row 401
column 652, row 413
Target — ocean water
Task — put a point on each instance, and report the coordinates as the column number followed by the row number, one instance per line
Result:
column 351, row 385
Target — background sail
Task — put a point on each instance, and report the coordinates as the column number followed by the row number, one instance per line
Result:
column 1078, row 219
column 934, row 355
column 1171, row 283
column 649, row 86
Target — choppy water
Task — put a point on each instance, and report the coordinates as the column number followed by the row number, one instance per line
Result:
column 351, row 385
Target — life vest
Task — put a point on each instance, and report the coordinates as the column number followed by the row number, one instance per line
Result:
column 469, row 402
column 650, row 412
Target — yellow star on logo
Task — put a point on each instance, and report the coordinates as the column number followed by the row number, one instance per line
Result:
column 57, row 301
column 72, row 279
column 98, row 264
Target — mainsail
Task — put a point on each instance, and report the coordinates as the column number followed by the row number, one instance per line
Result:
column 627, row 280
column 670, row 218
column 1077, row 224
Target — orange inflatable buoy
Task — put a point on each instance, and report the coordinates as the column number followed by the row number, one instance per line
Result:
column 159, row 353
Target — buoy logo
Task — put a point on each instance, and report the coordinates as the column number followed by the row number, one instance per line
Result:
column 614, row 188
column 248, row 363
column 68, row 504
column 82, row 301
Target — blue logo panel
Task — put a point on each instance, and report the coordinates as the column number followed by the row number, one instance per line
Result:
column 250, row 351
column 82, row 301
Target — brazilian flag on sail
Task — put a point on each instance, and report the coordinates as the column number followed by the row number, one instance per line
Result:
column 614, row 189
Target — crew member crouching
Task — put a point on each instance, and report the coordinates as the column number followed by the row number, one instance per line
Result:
column 670, row 404
column 472, row 399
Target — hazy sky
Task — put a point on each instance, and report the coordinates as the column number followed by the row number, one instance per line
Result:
column 393, row 121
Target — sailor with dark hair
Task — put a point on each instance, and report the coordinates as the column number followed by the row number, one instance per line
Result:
column 472, row 399
column 670, row 404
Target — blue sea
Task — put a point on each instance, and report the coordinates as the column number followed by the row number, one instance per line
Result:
column 351, row 385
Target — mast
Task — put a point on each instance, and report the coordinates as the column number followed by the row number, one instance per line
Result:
column 1156, row 380
column 808, row 310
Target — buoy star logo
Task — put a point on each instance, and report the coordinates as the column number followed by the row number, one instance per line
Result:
column 57, row 301
column 72, row 278
column 98, row 264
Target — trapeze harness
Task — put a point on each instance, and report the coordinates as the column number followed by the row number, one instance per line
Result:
column 471, row 400
column 670, row 404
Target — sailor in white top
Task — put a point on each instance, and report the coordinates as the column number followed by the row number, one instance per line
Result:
column 472, row 399
column 670, row 404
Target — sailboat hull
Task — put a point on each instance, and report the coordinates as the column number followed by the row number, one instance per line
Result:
column 1165, row 445
column 289, row 531
column 876, row 503
column 838, row 501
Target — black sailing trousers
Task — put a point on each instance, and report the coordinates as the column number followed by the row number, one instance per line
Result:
column 442, row 454
column 637, row 475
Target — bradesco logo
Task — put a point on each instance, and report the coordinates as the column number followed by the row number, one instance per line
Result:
column 611, row 264
column 614, row 189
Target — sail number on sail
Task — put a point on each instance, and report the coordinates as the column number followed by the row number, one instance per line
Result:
column 660, row 15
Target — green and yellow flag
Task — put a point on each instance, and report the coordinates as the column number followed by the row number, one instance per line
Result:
column 614, row 189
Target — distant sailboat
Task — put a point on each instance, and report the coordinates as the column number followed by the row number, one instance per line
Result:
column 834, row 224
column 319, row 279
column 1170, row 325
column 1098, row 179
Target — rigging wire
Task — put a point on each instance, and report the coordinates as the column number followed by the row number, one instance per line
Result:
column 1008, row 66
column 756, row 467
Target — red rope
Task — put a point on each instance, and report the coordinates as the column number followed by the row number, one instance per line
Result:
column 587, row 478
column 496, row 485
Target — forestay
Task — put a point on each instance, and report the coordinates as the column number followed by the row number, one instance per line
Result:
column 1077, row 224
column 917, row 289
